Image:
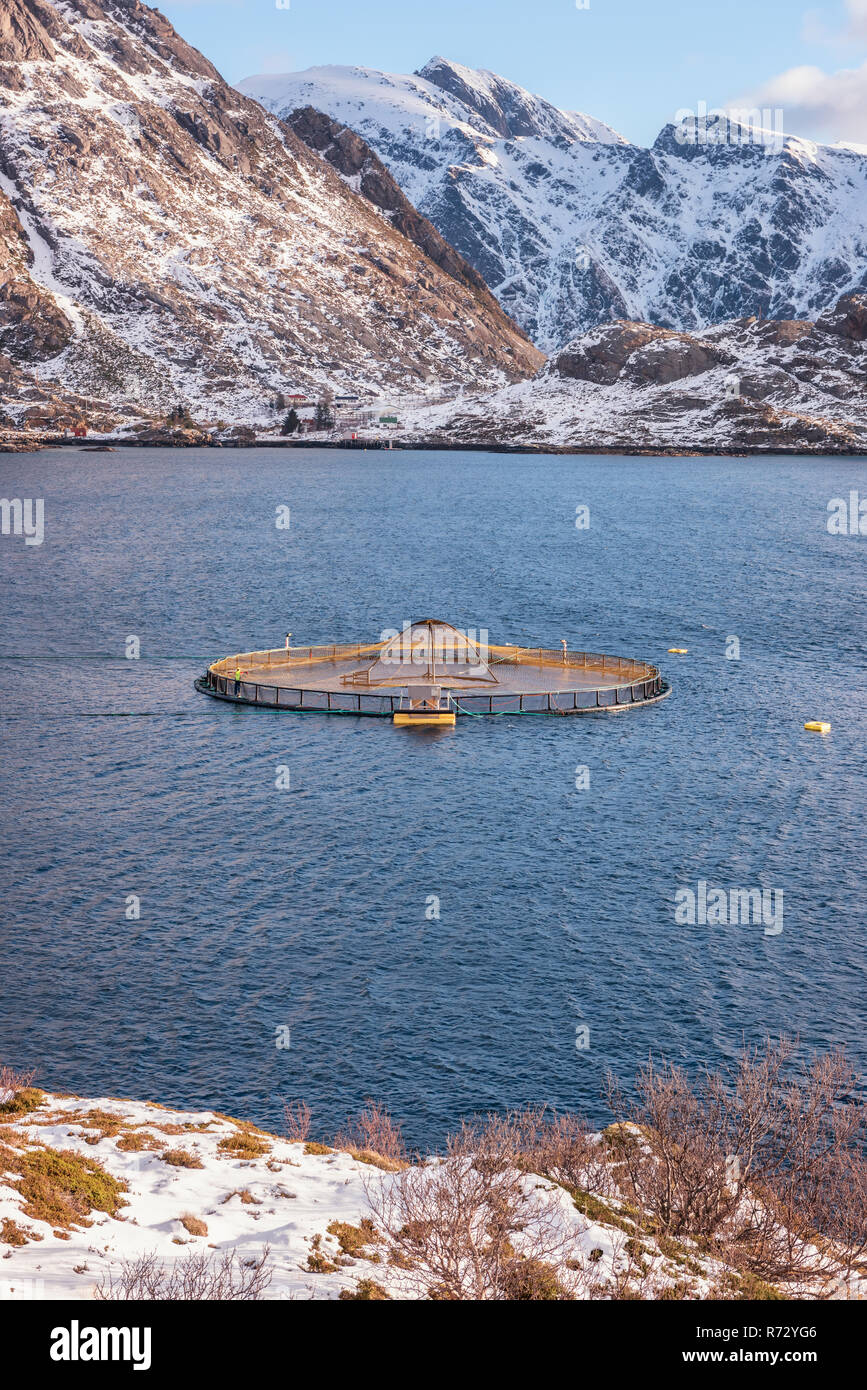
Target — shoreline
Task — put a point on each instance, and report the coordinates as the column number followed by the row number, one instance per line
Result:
column 436, row 444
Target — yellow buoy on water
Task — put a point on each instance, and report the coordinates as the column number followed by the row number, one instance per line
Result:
column 420, row 719
column 679, row 651
column 818, row 726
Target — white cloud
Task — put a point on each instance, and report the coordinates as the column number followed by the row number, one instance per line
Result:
column 822, row 105
column 815, row 27
column 857, row 26
column 816, row 103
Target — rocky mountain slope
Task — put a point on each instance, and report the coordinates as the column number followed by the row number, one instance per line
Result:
column 164, row 239
column 747, row 385
column 363, row 171
column 571, row 226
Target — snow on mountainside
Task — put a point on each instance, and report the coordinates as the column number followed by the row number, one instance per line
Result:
column 164, row 239
column 751, row 385
column 571, row 226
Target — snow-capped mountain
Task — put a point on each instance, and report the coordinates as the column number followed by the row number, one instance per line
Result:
column 571, row 226
column 163, row 239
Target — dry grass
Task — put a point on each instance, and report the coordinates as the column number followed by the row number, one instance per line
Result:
column 317, row 1261
column 179, row 1158
column 245, row 1195
column 23, row 1101
column 12, row 1139
column 599, row 1211
column 353, row 1240
column 193, row 1225
column 133, row 1141
column 244, row 1143
column 10, row 1234
column 62, row 1189
column 311, row 1147
column 241, row 1124
column 366, row 1290
column 376, row 1160
column 103, row 1122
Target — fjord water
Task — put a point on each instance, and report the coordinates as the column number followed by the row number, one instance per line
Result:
column 312, row 908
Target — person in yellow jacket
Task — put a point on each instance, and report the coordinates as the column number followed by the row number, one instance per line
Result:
column 238, row 675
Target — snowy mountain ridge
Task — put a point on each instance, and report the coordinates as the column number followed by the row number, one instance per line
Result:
column 571, row 226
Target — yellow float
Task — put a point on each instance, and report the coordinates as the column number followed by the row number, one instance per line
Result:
column 425, row 707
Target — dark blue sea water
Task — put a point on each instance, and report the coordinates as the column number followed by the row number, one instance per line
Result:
column 306, row 908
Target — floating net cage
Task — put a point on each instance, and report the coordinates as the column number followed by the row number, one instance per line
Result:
column 475, row 677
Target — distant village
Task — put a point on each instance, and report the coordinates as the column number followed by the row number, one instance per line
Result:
column 346, row 415
column 36, row 413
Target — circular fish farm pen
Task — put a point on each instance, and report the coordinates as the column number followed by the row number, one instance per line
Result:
column 431, row 672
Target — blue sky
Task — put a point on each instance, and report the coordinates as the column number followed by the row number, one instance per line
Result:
column 632, row 63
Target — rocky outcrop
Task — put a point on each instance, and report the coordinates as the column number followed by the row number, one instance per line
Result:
column 33, row 327
column 646, row 354
column 507, row 109
column 848, row 319
column 26, row 32
column 601, row 356
column 165, row 239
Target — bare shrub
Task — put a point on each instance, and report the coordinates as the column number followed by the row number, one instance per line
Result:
column 800, row 1143
column 539, row 1139
column 12, row 1080
column 474, row 1227
column 669, row 1152
column 561, row 1147
column 18, row 1095
column 764, row 1162
column 373, row 1131
column 296, row 1120
column 194, row 1278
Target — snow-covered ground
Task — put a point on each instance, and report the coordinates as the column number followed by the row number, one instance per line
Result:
column 744, row 385
column 283, row 1198
column 286, row 1197
column 741, row 387
column 200, row 1184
